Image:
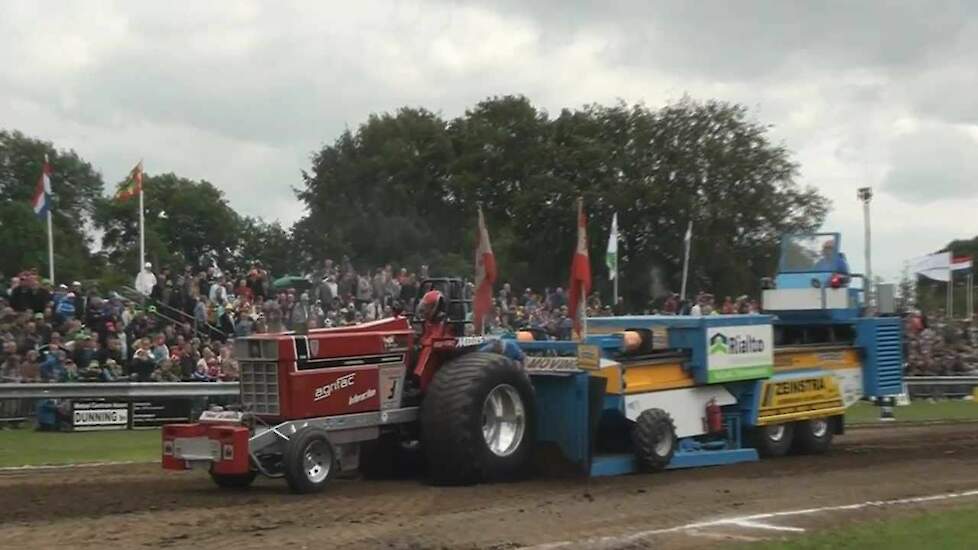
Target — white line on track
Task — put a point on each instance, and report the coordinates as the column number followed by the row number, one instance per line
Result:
column 14, row 469
column 753, row 520
column 758, row 525
column 723, row 536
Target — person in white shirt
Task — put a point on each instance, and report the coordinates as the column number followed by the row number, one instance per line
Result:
column 145, row 281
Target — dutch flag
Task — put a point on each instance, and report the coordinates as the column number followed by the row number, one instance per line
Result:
column 42, row 194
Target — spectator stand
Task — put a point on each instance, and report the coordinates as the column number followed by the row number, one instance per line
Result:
column 172, row 315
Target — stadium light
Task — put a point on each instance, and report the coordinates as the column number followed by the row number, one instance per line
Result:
column 865, row 194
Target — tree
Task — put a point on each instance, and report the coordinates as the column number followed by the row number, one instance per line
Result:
column 187, row 222
column 266, row 242
column 405, row 187
column 76, row 187
column 382, row 194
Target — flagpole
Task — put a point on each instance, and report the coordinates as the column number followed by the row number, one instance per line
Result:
column 950, row 295
column 615, row 283
column 50, row 248
column 688, row 239
column 142, row 233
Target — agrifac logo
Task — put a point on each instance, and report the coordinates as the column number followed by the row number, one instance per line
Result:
column 734, row 345
column 344, row 381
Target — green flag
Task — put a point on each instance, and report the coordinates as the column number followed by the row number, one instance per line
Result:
column 611, row 258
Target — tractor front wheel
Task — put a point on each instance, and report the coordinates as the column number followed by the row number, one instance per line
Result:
column 477, row 420
column 309, row 460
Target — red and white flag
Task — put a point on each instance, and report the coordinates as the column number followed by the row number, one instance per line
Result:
column 485, row 275
column 580, row 282
column 960, row 262
column 41, row 202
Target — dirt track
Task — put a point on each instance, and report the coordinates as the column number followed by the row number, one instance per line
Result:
column 139, row 506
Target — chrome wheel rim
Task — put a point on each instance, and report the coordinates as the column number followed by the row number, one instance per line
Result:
column 663, row 444
column 775, row 433
column 819, row 427
column 317, row 461
column 503, row 420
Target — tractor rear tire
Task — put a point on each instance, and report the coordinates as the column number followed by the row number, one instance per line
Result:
column 772, row 440
column 310, row 461
column 813, row 436
column 477, row 420
column 654, row 439
column 233, row 481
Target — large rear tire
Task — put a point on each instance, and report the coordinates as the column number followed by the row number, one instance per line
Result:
column 310, row 461
column 233, row 481
column 813, row 436
column 477, row 420
column 654, row 438
column 773, row 440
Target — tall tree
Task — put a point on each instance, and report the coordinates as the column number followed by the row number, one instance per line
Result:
column 404, row 187
column 266, row 242
column 381, row 194
column 76, row 187
column 187, row 222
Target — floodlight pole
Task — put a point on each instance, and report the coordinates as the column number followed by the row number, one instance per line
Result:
column 865, row 194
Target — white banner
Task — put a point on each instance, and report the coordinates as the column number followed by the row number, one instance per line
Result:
column 933, row 266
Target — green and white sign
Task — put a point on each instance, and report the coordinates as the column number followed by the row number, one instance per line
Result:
column 739, row 353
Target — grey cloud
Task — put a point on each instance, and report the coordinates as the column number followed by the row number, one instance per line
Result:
column 933, row 164
column 751, row 40
column 241, row 93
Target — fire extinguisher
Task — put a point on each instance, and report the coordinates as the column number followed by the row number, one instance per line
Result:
column 714, row 417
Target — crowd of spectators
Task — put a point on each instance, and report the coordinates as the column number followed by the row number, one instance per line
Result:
column 937, row 346
column 183, row 329
column 182, row 325
column 67, row 334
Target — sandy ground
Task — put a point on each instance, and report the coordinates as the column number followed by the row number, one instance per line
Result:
column 139, row 506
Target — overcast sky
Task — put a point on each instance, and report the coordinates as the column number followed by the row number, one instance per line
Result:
column 882, row 94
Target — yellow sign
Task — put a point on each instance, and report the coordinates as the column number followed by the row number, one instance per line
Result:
column 799, row 397
column 588, row 357
column 835, row 359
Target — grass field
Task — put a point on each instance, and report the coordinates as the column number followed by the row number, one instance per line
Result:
column 917, row 411
column 27, row 447
column 947, row 529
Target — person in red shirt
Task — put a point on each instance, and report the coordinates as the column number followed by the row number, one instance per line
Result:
column 244, row 292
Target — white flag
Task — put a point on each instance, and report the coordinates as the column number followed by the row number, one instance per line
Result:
column 611, row 258
column 933, row 266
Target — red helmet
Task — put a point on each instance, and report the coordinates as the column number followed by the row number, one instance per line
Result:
column 431, row 307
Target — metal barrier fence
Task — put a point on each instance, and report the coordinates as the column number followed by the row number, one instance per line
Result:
column 119, row 390
column 146, row 403
column 941, row 386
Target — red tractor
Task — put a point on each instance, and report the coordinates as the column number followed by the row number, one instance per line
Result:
column 366, row 396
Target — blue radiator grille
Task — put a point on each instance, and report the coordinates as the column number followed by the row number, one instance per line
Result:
column 882, row 342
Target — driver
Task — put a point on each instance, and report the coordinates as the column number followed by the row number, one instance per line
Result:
column 835, row 263
column 431, row 307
